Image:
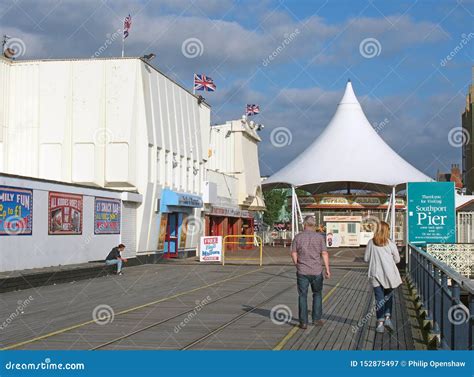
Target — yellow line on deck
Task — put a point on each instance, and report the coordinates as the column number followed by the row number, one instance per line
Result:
column 295, row 328
column 61, row 331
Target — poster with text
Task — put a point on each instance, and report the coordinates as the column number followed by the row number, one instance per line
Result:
column 210, row 249
column 107, row 216
column 65, row 213
column 16, row 211
column 431, row 212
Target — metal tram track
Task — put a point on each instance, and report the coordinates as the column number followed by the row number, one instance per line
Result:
column 187, row 311
column 233, row 320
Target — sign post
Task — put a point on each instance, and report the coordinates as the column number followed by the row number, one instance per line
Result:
column 431, row 213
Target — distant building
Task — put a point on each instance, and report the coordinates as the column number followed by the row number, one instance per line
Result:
column 468, row 150
column 235, row 196
column 453, row 176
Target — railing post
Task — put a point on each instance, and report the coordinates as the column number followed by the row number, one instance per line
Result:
column 445, row 305
column 430, row 290
column 458, row 322
column 471, row 322
column 436, row 301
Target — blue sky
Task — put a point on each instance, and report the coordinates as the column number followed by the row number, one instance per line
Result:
column 403, row 83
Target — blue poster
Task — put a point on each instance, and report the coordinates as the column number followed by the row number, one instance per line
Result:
column 431, row 213
column 16, row 211
column 107, row 216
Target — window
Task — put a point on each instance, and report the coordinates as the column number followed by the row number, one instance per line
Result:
column 351, row 228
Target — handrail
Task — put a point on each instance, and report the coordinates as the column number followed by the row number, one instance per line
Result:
column 464, row 282
column 447, row 312
column 254, row 236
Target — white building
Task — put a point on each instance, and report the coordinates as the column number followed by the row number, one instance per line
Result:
column 233, row 165
column 111, row 123
column 29, row 233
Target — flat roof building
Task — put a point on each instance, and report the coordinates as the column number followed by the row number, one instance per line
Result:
column 110, row 123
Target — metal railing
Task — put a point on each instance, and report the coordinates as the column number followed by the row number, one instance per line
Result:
column 248, row 240
column 447, row 299
column 274, row 237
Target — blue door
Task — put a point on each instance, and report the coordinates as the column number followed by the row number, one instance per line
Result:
column 171, row 239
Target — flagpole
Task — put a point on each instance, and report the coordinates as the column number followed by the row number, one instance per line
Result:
column 123, row 46
column 194, row 85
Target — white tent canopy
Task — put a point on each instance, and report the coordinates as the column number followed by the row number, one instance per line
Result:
column 348, row 153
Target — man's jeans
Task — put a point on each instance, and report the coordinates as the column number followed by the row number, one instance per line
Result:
column 383, row 302
column 118, row 262
column 316, row 282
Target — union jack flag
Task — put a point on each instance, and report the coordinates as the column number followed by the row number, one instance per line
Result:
column 203, row 82
column 252, row 110
column 127, row 24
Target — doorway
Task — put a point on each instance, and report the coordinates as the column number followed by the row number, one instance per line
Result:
column 171, row 238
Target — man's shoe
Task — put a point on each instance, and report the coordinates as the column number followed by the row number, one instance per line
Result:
column 119, row 273
column 388, row 324
column 319, row 322
column 303, row 326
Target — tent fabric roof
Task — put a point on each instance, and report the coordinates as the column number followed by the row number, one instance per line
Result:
column 348, row 151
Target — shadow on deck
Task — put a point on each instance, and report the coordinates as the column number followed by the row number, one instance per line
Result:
column 350, row 321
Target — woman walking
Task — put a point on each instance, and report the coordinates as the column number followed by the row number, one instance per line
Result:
column 382, row 255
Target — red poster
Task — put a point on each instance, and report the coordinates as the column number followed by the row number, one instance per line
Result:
column 65, row 213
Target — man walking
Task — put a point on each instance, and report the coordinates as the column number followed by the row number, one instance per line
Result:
column 307, row 250
column 115, row 257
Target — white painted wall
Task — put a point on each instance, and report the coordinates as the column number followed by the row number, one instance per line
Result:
column 116, row 123
column 43, row 250
column 234, row 151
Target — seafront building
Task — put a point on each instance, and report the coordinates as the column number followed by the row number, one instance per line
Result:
column 116, row 129
column 234, row 168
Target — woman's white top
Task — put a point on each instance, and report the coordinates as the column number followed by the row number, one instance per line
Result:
column 383, row 264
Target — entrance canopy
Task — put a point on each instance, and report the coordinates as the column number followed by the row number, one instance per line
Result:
column 348, row 154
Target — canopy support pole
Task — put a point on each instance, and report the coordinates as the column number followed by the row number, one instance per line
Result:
column 392, row 220
column 389, row 206
column 293, row 218
column 298, row 208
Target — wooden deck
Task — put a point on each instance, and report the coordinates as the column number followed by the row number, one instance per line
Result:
column 201, row 307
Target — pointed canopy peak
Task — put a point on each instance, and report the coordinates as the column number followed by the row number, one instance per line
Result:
column 349, row 95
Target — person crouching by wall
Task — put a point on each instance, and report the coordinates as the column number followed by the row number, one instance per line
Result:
column 115, row 257
column 382, row 255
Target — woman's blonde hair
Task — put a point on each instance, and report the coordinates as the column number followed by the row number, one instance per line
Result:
column 382, row 234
